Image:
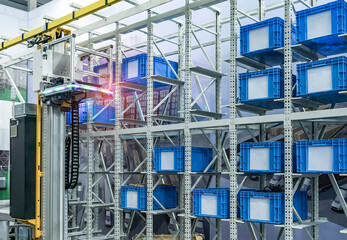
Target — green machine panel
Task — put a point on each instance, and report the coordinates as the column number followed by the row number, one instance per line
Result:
column 22, row 167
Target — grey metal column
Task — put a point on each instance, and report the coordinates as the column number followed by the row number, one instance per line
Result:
column 218, row 110
column 90, row 142
column 262, row 180
column 288, row 128
column 315, row 191
column 187, row 119
column 313, row 3
column 261, row 10
column 53, row 167
column 232, row 126
column 181, row 115
column 32, row 4
column 118, row 223
column 149, row 216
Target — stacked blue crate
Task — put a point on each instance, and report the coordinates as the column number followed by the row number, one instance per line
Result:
column 101, row 67
column 319, row 27
column 259, row 40
column 134, row 69
column 268, row 207
column 267, row 157
column 107, row 116
column 171, row 159
column 135, row 197
column 211, row 202
column 322, row 80
column 261, row 88
column 214, row 202
column 321, row 156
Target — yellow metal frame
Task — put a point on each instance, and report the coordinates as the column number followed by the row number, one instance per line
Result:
column 75, row 15
column 37, row 225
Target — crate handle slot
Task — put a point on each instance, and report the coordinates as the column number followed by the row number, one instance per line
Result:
column 319, row 64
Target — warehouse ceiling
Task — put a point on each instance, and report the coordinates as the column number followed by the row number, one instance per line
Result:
column 22, row 4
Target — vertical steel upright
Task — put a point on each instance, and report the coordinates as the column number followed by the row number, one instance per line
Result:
column 218, row 102
column 149, row 216
column 261, row 10
column 187, row 119
column 315, row 189
column 90, row 142
column 232, row 126
column 118, row 153
column 181, row 113
column 262, row 132
column 288, row 128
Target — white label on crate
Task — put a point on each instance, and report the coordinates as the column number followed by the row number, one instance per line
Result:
column 133, row 69
column 167, row 161
column 258, row 87
column 259, row 209
column 320, row 158
column 209, row 204
column 259, row 159
column 258, row 39
column 132, row 199
column 319, row 79
column 319, row 24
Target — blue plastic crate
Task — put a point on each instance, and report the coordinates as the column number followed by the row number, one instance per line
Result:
column 323, row 79
column 262, row 157
column 211, row 202
column 262, row 87
column 166, row 195
column 107, row 116
column 134, row 69
column 319, row 27
column 268, row 207
column 258, row 40
column 171, row 159
column 270, row 80
column 104, row 117
column 321, row 156
column 100, row 67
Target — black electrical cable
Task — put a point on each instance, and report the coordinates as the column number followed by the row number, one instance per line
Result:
column 67, row 161
column 72, row 167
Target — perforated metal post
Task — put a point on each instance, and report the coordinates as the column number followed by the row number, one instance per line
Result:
column 261, row 10
column 288, row 129
column 149, row 216
column 315, row 190
column 45, row 179
column 90, row 142
column 118, row 223
column 262, row 181
column 181, row 114
column 187, row 117
column 218, row 110
column 232, row 126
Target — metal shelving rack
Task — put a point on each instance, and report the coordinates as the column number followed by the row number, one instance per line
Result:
column 288, row 119
column 186, row 114
column 230, row 125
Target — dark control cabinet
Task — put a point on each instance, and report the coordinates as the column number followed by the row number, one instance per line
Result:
column 22, row 167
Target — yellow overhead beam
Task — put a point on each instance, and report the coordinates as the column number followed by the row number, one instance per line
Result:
column 75, row 15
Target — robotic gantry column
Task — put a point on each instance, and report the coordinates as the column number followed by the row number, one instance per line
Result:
column 59, row 90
